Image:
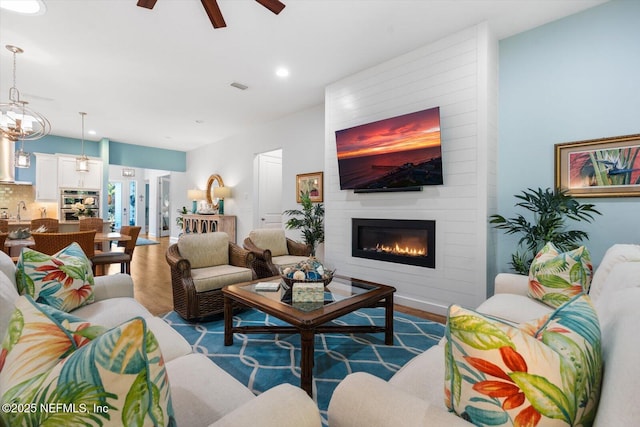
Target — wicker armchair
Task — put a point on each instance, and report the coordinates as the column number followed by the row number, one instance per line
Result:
column 201, row 265
column 272, row 250
column 51, row 243
column 51, row 224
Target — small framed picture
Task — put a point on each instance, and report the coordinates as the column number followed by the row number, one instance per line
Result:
column 309, row 183
column 607, row 167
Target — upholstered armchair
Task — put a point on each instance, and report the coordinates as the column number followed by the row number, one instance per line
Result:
column 273, row 250
column 201, row 265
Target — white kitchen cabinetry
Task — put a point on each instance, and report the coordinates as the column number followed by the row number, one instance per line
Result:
column 68, row 177
column 46, row 178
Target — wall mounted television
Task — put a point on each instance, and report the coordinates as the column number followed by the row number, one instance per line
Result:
column 400, row 153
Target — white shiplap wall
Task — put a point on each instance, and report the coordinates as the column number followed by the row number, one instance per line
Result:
column 458, row 74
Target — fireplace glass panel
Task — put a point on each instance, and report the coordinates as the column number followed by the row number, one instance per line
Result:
column 401, row 241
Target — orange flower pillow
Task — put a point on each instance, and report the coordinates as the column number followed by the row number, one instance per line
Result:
column 542, row 373
column 63, row 281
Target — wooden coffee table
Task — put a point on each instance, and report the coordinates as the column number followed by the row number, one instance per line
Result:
column 308, row 319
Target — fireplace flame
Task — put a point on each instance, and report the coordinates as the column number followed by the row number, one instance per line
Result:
column 396, row 249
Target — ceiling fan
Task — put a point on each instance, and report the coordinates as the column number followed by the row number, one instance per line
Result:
column 214, row 13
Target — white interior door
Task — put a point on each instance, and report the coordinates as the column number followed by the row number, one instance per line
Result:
column 270, row 189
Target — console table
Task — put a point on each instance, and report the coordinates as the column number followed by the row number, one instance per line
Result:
column 195, row 223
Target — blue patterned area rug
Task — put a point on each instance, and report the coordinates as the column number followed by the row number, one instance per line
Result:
column 141, row 241
column 262, row 361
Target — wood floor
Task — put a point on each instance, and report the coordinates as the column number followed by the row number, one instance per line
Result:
column 152, row 281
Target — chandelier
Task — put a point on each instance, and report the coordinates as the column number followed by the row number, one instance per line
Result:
column 82, row 162
column 17, row 121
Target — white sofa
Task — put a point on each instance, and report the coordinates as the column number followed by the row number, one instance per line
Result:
column 415, row 395
column 202, row 393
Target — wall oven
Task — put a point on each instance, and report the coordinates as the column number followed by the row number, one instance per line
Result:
column 71, row 196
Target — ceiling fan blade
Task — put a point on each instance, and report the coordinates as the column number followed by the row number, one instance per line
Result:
column 148, row 4
column 274, row 6
column 214, row 13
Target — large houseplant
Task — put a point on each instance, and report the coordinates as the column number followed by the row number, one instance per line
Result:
column 309, row 220
column 550, row 210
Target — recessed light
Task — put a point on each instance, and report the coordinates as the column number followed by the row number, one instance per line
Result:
column 92, row 132
column 25, row 7
column 282, row 72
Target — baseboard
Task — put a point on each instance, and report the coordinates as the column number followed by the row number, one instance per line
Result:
column 421, row 305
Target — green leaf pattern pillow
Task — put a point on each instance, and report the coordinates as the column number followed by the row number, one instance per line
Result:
column 118, row 379
column 37, row 338
column 555, row 278
column 64, row 280
column 543, row 373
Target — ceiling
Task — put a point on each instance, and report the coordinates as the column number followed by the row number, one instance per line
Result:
column 161, row 77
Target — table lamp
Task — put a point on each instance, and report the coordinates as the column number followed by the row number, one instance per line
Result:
column 195, row 195
column 221, row 193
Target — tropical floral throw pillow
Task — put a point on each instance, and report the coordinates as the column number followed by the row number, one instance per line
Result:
column 63, row 280
column 116, row 379
column 38, row 337
column 542, row 373
column 555, row 278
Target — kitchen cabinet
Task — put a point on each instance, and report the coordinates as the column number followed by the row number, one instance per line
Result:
column 68, row 177
column 46, row 178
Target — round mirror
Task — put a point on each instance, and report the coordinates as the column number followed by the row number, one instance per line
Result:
column 213, row 182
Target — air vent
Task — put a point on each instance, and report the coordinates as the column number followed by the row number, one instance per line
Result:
column 239, row 86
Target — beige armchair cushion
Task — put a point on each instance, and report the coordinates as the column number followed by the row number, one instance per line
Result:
column 206, row 249
column 209, row 278
column 272, row 239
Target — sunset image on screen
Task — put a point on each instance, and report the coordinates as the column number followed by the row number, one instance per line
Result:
column 397, row 152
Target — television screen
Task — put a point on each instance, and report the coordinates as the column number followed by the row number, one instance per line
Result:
column 394, row 153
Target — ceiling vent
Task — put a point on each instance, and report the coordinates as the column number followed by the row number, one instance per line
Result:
column 239, row 86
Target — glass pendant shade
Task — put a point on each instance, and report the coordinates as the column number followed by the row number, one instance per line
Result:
column 23, row 159
column 82, row 162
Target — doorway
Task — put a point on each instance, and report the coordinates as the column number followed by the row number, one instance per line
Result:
column 270, row 189
column 164, row 206
column 121, row 203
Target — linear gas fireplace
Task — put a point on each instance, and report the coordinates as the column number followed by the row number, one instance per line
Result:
column 411, row 242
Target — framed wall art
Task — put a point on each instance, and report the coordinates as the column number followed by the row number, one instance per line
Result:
column 309, row 183
column 607, row 167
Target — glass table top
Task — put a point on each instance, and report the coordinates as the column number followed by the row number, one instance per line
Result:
column 339, row 289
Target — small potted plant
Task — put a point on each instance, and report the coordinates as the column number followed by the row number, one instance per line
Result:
column 309, row 220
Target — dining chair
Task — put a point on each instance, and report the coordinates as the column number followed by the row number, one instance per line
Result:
column 50, row 243
column 93, row 223
column 4, row 226
column 117, row 256
column 3, row 238
column 51, row 224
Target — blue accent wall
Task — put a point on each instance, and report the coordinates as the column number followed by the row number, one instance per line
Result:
column 147, row 157
column 111, row 152
column 571, row 80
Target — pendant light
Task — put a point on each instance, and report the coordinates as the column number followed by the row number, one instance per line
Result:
column 82, row 162
column 22, row 158
column 16, row 120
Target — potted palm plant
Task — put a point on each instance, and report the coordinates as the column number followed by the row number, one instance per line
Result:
column 309, row 220
column 550, row 210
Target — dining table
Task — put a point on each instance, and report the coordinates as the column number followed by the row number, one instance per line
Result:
column 100, row 238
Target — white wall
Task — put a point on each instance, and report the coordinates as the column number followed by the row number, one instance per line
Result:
column 301, row 137
column 459, row 74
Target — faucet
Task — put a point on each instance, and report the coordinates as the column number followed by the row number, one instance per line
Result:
column 24, row 208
